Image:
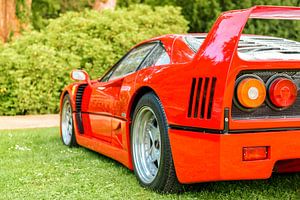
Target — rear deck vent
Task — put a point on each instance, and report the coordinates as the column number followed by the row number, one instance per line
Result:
column 201, row 97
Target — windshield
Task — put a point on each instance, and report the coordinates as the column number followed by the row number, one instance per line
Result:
column 258, row 47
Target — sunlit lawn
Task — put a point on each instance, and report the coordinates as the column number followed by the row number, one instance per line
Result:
column 35, row 165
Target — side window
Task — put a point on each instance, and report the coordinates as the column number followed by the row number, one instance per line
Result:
column 159, row 56
column 132, row 61
column 164, row 58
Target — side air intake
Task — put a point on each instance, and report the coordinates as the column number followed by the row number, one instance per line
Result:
column 201, row 97
column 78, row 117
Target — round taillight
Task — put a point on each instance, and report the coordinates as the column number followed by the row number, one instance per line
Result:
column 251, row 92
column 282, row 92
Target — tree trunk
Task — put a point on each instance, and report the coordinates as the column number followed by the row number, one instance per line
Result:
column 104, row 4
column 9, row 23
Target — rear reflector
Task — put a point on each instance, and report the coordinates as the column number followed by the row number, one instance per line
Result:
column 255, row 153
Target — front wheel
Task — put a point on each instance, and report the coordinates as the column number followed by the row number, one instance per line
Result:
column 150, row 146
column 67, row 123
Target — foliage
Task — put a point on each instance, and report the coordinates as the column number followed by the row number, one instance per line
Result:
column 35, row 67
column 201, row 14
column 43, row 10
column 22, row 11
column 36, row 165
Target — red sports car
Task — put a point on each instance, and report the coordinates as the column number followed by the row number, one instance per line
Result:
column 181, row 109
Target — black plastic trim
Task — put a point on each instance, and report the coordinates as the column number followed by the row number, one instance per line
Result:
column 194, row 129
column 226, row 120
column 216, row 131
column 79, row 122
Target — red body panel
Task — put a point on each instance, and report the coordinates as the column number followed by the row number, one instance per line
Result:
column 215, row 157
column 198, row 156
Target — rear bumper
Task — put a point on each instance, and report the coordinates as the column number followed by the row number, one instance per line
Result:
column 203, row 157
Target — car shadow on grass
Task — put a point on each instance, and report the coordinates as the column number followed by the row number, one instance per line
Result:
column 286, row 182
column 279, row 186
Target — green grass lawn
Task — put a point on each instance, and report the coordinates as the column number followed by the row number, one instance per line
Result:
column 34, row 164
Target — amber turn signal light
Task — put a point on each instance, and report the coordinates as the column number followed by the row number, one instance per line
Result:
column 251, row 92
column 282, row 92
column 255, row 153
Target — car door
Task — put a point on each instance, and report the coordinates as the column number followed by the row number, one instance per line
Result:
column 105, row 93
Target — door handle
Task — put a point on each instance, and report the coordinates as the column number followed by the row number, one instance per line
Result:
column 100, row 88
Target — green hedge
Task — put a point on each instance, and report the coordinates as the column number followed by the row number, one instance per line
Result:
column 35, row 67
column 42, row 10
column 201, row 14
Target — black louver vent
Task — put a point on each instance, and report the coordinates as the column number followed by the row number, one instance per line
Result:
column 78, row 117
column 79, row 95
column 201, row 97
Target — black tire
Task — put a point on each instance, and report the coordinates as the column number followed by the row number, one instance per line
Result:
column 166, row 180
column 72, row 142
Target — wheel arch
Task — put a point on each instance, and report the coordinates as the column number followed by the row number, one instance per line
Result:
column 140, row 92
column 62, row 96
column 171, row 182
column 71, row 90
column 136, row 97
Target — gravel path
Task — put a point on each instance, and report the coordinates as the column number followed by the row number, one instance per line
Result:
column 28, row 121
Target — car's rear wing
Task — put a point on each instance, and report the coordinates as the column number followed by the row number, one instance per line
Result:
column 218, row 56
column 222, row 41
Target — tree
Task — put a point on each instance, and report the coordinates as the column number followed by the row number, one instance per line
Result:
column 13, row 14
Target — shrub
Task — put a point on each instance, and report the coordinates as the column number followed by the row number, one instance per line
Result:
column 35, row 67
column 201, row 14
column 42, row 10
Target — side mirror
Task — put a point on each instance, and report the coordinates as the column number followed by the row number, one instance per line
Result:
column 80, row 75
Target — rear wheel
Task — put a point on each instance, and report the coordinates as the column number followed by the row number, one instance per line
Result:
column 150, row 146
column 66, row 123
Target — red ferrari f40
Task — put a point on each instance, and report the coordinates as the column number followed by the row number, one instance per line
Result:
column 180, row 109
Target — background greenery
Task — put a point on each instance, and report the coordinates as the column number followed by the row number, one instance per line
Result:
column 35, row 67
column 42, row 10
column 35, row 165
column 202, row 13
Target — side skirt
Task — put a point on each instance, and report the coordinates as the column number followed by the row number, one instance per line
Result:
column 104, row 148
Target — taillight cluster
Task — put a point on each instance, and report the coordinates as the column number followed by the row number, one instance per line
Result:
column 279, row 92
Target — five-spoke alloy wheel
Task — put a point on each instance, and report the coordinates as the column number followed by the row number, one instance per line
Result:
column 66, row 123
column 146, row 144
column 150, row 146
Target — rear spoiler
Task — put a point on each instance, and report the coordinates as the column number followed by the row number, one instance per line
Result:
column 275, row 12
column 221, row 43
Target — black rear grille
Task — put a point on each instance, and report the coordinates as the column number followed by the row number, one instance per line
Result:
column 201, row 97
column 265, row 111
column 78, row 116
